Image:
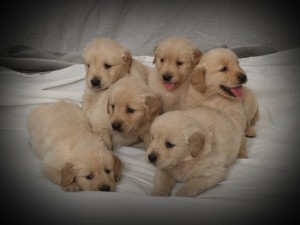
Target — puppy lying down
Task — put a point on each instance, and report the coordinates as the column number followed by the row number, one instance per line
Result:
column 193, row 147
column 72, row 156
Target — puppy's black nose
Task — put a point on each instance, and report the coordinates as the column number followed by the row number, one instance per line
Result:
column 167, row 77
column 152, row 157
column 95, row 82
column 104, row 188
column 116, row 125
column 242, row 78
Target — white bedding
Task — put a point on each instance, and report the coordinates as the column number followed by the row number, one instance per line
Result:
column 257, row 189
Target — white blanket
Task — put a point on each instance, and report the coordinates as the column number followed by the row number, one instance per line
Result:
column 254, row 191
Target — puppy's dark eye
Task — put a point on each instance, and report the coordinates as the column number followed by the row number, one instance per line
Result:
column 130, row 110
column 179, row 63
column 87, row 65
column 161, row 60
column 223, row 69
column 112, row 107
column 107, row 171
column 89, row 177
column 169, row 144
column 107, row 66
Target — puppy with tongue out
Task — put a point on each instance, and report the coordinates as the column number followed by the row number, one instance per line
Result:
column 217, row 81
column 174, row 60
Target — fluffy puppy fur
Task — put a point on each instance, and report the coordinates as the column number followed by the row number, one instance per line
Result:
column 72, row 156
column 174, row 59
column 99, row 119
column 106, row 61
column 193, row 147
column 251, row 110
column 132, row 107
column 217, row 81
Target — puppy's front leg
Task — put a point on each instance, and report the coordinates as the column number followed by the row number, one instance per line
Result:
column 71, row 187
column 197, row 185
column 243, row 149
column 107, row 138
column 163, row 183
column 146, row 137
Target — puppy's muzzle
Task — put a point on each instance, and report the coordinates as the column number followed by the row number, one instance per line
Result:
column 242, row 78
column 167, row 77
column 152, row 157
column 96, row 83
column 117, row 125
column 104, row 188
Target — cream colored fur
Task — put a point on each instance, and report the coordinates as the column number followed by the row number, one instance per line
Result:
column 193, row 147
column 132, row 107
column 205, row 89
column 72, row 156
column 173, row 57
column 106, row 61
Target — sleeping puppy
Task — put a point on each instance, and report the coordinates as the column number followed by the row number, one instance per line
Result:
column 217, row 81
column 72, row 156
column 174, row 59
column 106, row 61
column 193, row 147
column 132, row 107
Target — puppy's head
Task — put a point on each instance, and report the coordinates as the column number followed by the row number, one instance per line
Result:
column 174, row 59
column 92, row 167
column 174, row 138
column 219, row 72
column 105, row 62
column 132, row 106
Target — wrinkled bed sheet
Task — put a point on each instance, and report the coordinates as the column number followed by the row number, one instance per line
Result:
column 258, row 189
column 57, row 31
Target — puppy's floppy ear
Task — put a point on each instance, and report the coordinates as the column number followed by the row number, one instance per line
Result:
column 155, row 54
column 197, row 54
column 68, row 174
column 127, row 58
column 196, row 143
column 118, row 166
column 153, row 107
column 198, row 79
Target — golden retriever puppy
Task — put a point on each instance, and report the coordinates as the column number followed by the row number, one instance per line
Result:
column 106, row 61
column 174, row 59
column 193, row 147
column 72, row 156
column 217, row 81
column 132, row 107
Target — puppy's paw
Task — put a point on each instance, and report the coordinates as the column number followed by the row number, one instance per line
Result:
column 71, row 188
column 243, row 154
column 187, row 192
column 107, row 139
column 160, row 193
column 250, row 132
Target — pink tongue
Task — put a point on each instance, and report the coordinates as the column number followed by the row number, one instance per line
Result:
column 169, row 86
column 238, row 91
